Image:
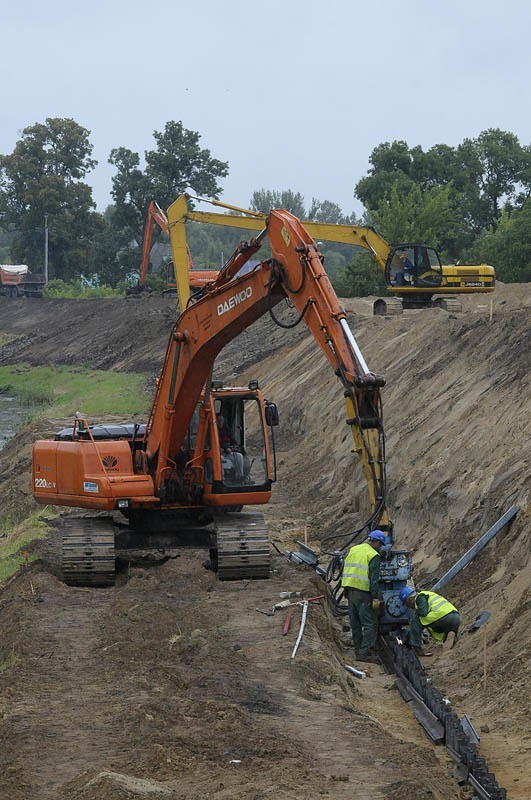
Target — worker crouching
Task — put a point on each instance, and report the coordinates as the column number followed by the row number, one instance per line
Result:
column 361, row 571
column 432, row 612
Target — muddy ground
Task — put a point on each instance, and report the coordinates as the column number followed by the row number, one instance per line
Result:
column 172, row 685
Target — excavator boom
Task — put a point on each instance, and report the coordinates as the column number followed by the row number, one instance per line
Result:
column 178, row 464
column 412, row 288
column 232, row 303
column 194, row 278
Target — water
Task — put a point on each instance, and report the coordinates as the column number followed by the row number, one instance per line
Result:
column 11, row 415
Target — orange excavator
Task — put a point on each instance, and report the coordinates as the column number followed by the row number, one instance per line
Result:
column 197, row 278
column 206, row 451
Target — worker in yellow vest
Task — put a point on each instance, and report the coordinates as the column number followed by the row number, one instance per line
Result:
column 432, row 612
column 361, row 572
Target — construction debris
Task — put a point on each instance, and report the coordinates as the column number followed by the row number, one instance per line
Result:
column 358, row 673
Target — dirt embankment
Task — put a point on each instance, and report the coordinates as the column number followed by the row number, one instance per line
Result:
column 173, row 685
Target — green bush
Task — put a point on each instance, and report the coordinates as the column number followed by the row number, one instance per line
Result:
column 58, row 288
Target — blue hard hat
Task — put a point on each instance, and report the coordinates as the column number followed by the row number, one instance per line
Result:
column 379, row 536
column 405, row 592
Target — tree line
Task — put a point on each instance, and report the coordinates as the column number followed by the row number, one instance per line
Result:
column 471, row 202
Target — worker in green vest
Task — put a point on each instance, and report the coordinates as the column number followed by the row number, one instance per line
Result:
column 361, row 572
column 431, row 611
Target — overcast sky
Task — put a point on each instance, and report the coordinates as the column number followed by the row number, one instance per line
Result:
column 294, row 95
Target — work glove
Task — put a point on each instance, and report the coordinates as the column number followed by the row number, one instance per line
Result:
column 376, row 605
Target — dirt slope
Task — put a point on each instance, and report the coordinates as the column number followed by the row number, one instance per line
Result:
column 192, row 677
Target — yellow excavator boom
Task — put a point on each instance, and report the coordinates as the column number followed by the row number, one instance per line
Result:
column 434, row 278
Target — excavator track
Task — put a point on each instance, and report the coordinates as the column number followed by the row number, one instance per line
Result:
column 88, row 557
column 242, row 547
column 387, row 307
column 450, row 304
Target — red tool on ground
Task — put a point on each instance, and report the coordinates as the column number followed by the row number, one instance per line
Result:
column 287, row 623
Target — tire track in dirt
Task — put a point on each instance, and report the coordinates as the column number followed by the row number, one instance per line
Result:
column 60, row 716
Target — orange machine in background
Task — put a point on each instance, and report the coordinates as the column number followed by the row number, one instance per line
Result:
column 197, row 277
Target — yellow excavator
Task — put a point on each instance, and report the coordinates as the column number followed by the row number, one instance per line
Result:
column 414, row 275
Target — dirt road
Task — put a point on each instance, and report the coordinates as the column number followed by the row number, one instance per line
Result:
column 172, row 684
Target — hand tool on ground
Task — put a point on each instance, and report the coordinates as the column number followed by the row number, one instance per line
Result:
column 480, row 620
column 287, row 623
column 287, row 603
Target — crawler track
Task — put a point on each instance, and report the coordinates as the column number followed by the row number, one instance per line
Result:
column 88, row 557
column 88, row 549
column 242, row 547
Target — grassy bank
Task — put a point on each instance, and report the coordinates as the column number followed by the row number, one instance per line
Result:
column 58, row 392
column 14, row 538
column 7, row 338
column 61, row 391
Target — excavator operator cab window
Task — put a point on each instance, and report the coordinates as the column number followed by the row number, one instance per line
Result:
column 413, row 266
column 241, row 442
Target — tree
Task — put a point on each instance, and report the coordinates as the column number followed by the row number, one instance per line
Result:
column 427, row 216
column 391, row 164
column 266, row 199
column 508, row 248
column 326, row 211
column 42, row 176
column 360, row 277
column 495, row 163
column 176, row 165
column 484, row 174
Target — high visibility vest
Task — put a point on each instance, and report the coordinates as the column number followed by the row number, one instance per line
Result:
column 438, row 607
column 356, row 567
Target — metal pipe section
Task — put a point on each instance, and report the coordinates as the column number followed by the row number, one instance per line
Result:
column 475, row 549
column 354, row 346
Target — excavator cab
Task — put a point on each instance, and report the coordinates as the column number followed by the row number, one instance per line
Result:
column 413, row 266
column 240, row 465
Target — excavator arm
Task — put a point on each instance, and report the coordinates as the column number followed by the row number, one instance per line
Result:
column 155, row 215
column 428, row 276
column 232, row 303
column 192, row 278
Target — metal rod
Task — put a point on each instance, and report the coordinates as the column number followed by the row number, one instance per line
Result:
column 354, row 345
column 301, row 629
column 476, row 548
column 358, row 673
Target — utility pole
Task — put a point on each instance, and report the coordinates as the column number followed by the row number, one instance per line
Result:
column 46, row 248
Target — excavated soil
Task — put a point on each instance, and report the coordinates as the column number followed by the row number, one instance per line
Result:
column 171, row 684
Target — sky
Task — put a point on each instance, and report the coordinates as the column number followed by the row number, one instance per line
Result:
column 292, row 94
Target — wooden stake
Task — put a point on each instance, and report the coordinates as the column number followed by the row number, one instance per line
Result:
column 306, row 535
column 490, row 316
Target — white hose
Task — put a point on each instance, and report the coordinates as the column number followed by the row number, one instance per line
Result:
column 301, row 629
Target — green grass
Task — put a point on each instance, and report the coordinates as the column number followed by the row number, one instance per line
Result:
column 61, row 391
column 7, row 338
column 14, row 538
